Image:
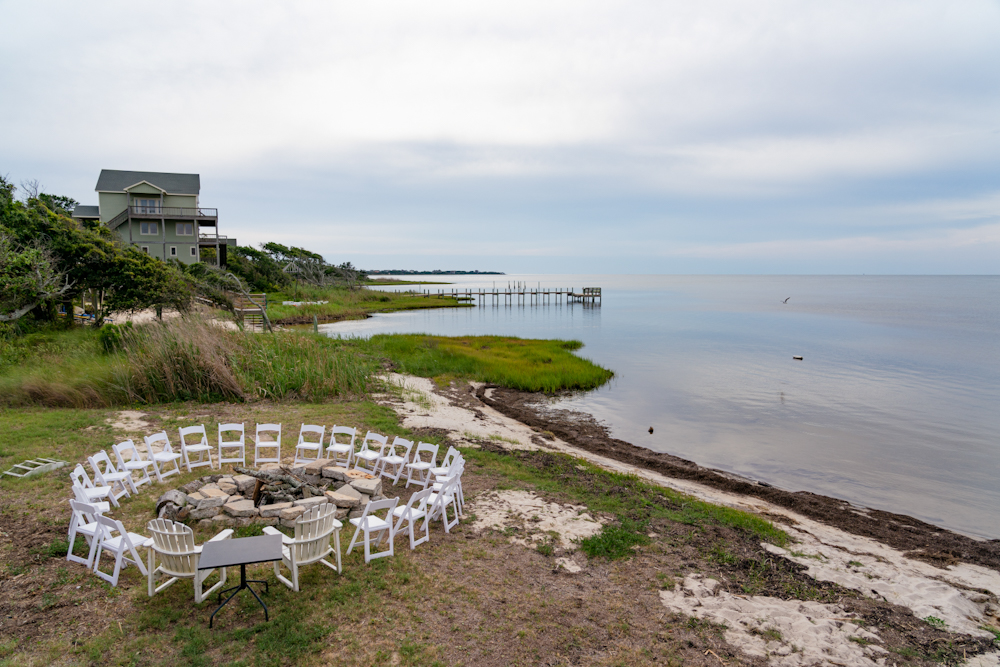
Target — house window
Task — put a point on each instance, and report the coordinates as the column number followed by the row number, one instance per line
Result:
column 145, row 249
column 146, row 205
column 194, row 251
column 173, row 251
column 185, row 229
column 148, row 228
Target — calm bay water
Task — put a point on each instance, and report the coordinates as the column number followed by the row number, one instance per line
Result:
column 896, row 404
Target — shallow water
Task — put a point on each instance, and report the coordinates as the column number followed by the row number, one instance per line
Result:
column 896, row 404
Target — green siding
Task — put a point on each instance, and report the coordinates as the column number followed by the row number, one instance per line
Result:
column 111, row 203
column 145, row 189
column 180, row 201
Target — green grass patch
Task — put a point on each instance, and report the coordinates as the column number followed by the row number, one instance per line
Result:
column 614, row 541
column 518, row 363
column 346, row 304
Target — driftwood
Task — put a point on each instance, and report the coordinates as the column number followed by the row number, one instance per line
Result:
column 279, row 487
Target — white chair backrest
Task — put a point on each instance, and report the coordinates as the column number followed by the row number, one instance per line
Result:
column 400, row 447
column 426, row 448
column 80, row 477
column 193, row 430
column 126, row 452
column 312, row 533
column 174, row 544
column 311, row 429
column 84, row 513
column 418, row 502
column 274, row 435
column 377, row 506
column 101, row 463
column 343, row 430
column 372, row 437
column 158, row 437
column 229, row 430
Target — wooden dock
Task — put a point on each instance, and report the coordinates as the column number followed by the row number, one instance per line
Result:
column 521, row 295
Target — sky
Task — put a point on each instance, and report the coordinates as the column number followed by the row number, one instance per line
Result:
column 559, row 137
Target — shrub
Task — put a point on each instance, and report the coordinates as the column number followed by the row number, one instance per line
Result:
column 111, row 336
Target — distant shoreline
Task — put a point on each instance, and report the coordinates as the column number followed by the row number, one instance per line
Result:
column 436, row 272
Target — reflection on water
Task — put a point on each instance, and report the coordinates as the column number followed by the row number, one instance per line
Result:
column 893, row 406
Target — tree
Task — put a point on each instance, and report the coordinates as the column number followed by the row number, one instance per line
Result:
column 28, row 276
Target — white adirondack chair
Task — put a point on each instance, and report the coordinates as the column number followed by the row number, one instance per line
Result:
column 395, row 458
column 421, row 466
column 273, row 432
column 414, row 511
column 201, row 447
column 341, row 453
column 117, row 541
column 83, row 521
column 131, row 460
column 368, row 455
column 305, row 446
column 173, row 544
column 106, row 475
column 163, row 458
column 440, row 500
column 369, row 523
column 311, row 543
column 232, row 446
column 82, row 484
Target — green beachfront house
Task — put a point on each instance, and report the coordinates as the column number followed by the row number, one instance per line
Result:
column 160, row 214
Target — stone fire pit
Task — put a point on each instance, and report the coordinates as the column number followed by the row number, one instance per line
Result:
column 274, row 494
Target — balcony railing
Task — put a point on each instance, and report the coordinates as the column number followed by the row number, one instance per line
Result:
column 212, row 237
column 143, row 211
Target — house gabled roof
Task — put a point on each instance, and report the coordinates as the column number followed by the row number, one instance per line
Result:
column 112, row 180
column 83, row 211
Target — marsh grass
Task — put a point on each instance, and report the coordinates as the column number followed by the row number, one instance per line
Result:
column 345, row 304
column 517, row 363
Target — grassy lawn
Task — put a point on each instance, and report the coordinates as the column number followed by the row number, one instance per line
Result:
column 530, row 365
column 464, row 598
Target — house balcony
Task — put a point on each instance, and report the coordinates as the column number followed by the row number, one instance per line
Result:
column 173, row 212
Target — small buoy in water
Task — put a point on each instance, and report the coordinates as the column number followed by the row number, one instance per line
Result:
column 650, row 429
column 796, row 357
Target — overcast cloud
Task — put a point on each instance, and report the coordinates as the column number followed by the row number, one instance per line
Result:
column 719, row 137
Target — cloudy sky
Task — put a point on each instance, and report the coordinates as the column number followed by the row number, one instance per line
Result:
column 629, row 137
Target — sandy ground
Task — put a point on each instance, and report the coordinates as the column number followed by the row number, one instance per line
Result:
column 962, row 595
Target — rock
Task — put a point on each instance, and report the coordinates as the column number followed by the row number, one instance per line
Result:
column 215, row 478
column 274, row 509
column 336, row 473
column 191, row 487
column 365, row 499
column 316, row 467
column 222, row 521
column 356, row 513
column 312, row 479
column 228, row 479
column 240, row 508
column 287, row 523
column 168, row 511
column 183, row 513
column 291, row 514
column 209, row 502
column 309, row 503
column 245, row 483
column 342, row 513
column 229, row 488
column 213, row 491
column 268, row 521
column 369, row 487
column 206, row 513
column 342, row 499
column 358, row 474
column 207, row 479
column 205, row 523
column 173, row 496
column 270, row 467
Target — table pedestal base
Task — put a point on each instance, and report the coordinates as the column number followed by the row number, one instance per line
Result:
column 236, row 589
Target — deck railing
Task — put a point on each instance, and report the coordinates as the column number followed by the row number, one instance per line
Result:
column 139, row 210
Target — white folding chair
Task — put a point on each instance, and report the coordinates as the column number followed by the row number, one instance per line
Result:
column 82, row 484
column 274, row 442
column 164, row 457
column 131, row 460
column 369, row 455
column 201, row 448
column 173, row 543
column 439, row 502
column 83, row 521
column 117, row 541
column 415, row 510
column 391, row 464
column 442, row 470
column 105, row 474
column 421, row 466
column 238, row 445
column 80, row 494
column 341, row 453
column 455, row 471
column 305, row 446
column 369, row 523
column 311, row 543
